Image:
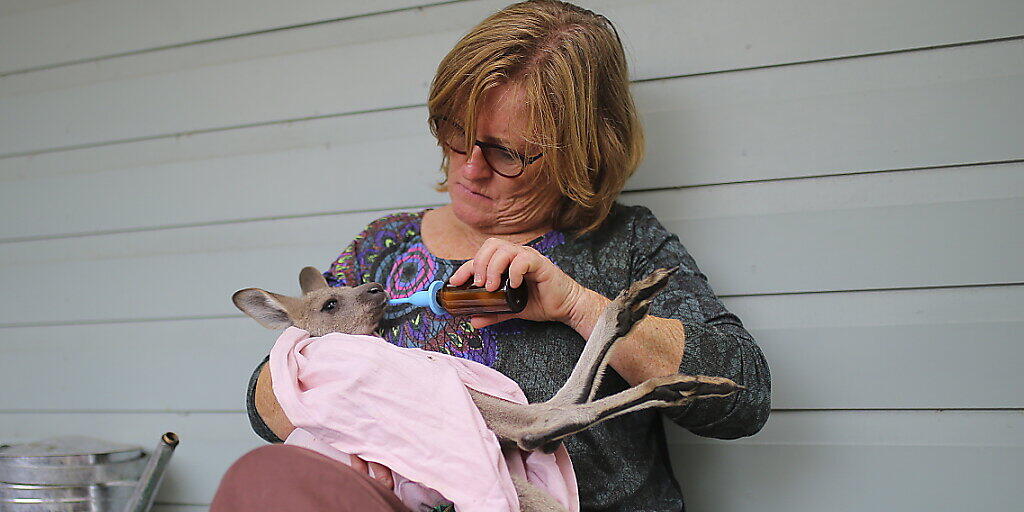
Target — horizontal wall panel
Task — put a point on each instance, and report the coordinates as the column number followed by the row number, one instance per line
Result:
column 662, row 37
column 890, row 349
column 96, row 28
column 189, row 272
column 384, row 27
column 855, row 461
column 184, row 365
column 832, row 460
column 955, row 105
column 210, row 443
column 853, row 232
column 672, row 37
column 878, row 239
column 168, row 273
column 364, row 74
column 10, row 7
column 730, row 134
column 896, row 349
column 395, row 72
column 747, row 33
column 358, row 168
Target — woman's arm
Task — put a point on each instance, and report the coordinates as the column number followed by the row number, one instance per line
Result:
column 688, row 330
column 266, row 407
column 716, row 343
column 654, row 348
column 659, row 346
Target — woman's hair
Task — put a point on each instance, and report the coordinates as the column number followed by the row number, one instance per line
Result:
column 571, row 68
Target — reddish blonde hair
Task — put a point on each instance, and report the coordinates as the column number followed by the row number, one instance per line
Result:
column 571, row 67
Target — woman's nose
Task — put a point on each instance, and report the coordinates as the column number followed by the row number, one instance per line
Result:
column 476, row 166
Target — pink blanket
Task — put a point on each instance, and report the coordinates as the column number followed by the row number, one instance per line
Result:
column 409, row 410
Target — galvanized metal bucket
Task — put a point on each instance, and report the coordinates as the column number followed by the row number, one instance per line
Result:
column 75, row 460
column 109, row 497
column 81, row 474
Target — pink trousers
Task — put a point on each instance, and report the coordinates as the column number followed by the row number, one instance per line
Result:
column 288, row 478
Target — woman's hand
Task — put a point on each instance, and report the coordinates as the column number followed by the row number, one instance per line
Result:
column 373, row 470
column 554, row 296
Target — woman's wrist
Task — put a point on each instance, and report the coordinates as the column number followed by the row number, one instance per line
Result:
column 587, row 306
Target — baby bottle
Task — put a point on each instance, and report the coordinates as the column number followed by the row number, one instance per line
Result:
column 464, row 300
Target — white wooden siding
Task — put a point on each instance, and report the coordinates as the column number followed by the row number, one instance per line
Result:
column 850, row 176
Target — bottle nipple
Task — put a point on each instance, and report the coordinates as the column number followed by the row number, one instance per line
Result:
column 424, row 299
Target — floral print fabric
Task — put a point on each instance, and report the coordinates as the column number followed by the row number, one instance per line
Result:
column 391, row 252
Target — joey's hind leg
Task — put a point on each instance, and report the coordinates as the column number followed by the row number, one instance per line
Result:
column 533, row 498
column 666, row 391
column 618, row 318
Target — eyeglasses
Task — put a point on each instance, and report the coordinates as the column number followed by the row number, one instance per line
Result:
column 506, row 162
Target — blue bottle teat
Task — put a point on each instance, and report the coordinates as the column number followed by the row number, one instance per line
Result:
column 424, row 299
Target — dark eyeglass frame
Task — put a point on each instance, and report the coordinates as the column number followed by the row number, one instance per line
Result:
column 525, row 160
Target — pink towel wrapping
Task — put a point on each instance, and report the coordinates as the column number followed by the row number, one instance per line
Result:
column 409, row 410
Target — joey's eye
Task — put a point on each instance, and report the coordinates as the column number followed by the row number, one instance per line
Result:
column 329, row 306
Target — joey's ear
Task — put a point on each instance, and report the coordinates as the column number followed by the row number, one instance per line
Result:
column 264, row 307
column 311, row 279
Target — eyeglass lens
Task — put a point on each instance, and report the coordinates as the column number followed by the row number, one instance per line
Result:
column 500, row 158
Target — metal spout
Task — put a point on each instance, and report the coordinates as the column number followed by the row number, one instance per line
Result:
column 152, row 475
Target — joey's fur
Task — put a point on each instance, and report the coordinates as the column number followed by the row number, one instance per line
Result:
column 357, row 310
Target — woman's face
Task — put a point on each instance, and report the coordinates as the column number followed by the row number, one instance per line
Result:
column 487, row 201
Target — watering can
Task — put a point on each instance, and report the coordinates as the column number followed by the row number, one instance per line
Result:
column 81, row 474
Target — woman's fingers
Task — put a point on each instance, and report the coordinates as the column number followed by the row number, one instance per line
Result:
column 358, row 464
column 523, row 264
column 482, row 260
column 378, row 472
column 382, row 474
column 481, row 321
column 462, row 274
column 488, row 264
column 496, row 266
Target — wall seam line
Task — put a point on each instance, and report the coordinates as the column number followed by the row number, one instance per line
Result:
column 88, row 145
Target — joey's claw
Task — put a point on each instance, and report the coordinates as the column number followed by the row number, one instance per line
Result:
column 635, row 300
column 687, row 388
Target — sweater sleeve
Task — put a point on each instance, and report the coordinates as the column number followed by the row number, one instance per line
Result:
column 255, row 420
column 716, row 342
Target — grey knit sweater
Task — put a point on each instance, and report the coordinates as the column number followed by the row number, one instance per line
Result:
column 621, row 464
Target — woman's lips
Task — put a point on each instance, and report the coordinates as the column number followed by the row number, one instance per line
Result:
column 471, row 192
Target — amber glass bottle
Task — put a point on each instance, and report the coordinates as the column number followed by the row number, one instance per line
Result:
column 467, row 300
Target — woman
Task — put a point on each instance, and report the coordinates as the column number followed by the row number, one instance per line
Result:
column 539, row 134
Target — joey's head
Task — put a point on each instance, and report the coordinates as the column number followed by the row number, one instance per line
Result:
column 322, row 309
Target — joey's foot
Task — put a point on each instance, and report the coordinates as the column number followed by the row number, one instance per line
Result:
column 681, row 389
column 667, row 391
column 633, row 302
